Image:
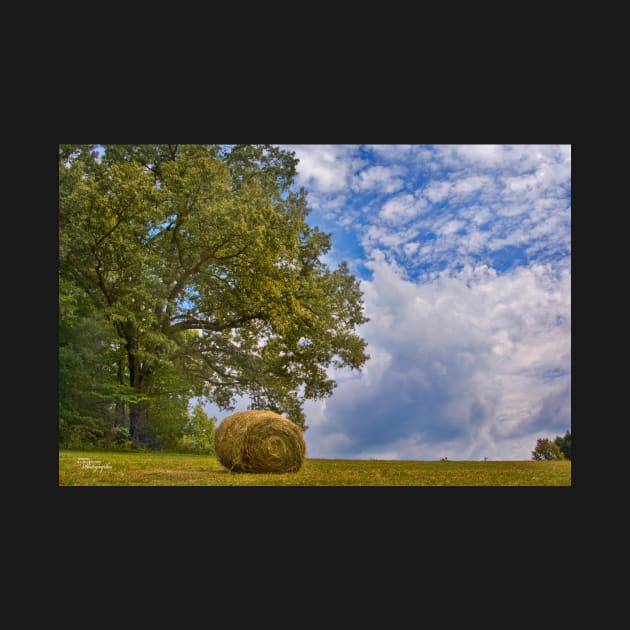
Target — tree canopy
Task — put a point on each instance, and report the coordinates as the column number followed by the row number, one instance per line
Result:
column 546, row 450
column 559, row 448
column 193, row 272
column 564, row 444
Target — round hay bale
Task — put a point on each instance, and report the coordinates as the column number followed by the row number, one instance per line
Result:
column 259, row 441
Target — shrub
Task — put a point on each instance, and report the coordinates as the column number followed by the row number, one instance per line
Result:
column 198, row 433
column 80, row 432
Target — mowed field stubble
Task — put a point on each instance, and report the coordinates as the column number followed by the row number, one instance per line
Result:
column 111, row 468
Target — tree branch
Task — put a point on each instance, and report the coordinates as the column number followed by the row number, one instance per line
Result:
column 101, row 279
column 108, row 233
column 194, row 324
column 187, row 273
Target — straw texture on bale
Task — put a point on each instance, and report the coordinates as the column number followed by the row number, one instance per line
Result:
column 259, row 441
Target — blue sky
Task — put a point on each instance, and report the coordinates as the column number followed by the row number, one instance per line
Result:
column 464, row 257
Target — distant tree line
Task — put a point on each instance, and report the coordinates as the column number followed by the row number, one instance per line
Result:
column 559, row 448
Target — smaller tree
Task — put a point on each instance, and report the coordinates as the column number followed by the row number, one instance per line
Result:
column 546, row 450
column 199, row 433
column 564, row 444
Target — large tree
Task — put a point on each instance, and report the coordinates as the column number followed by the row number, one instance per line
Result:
column 201, row 259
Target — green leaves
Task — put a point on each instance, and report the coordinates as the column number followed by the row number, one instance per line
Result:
column 564, row 444
column 546, row 450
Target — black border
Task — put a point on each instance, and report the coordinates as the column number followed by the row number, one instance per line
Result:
column 509, row 518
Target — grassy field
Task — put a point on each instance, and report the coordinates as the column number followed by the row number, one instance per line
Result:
column 104, row 468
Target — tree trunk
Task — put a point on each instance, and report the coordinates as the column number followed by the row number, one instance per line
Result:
column 121, row 410
column 140, row 378
column 138, row 421
column 137, row 414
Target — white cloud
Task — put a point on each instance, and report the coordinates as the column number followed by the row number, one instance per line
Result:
column 326, row 168
column 460, row 367
column 402, row 208
column 411, row 248
column 331, row 205
column 457, row 188
column 469, row 185
column 377, row 236
column 478, row 215
column 450, row 227
column 475, row 200
column 521, row 183
column 437, row 191
column 485, row 154
column 379, row 178
column 393, row 152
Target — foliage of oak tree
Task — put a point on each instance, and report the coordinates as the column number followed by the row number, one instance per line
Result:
column 199, row 267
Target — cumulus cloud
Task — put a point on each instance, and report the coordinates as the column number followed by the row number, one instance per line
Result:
column 468, row 366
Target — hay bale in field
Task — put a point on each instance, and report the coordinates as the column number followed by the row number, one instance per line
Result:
column 259, row 441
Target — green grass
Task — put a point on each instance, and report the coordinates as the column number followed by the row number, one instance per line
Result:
column 175, row 469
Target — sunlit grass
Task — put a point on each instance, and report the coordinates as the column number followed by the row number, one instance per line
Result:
column 105, row 468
